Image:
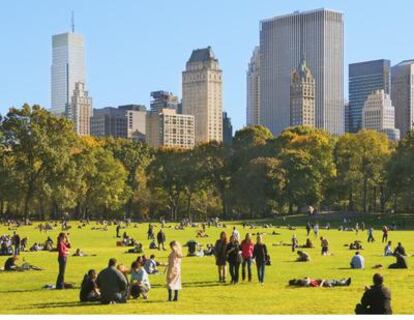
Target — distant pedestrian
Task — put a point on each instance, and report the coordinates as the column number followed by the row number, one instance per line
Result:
column 308, row 228
column 370, row 235
column 161, row 238
column 261, row 257
column 385, row 234
column 324, row 246
column 295, row 243
column 316, row 230
column 16, row 242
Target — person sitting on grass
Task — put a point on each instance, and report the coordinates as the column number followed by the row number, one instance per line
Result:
column 308, row 244
column 388, row 249
column 36, row 247
column 89, row 289
column 356, row 245
column 153, row 245
column 401, row 262
column 400, row 249
column 309, row 282
column 376, row 299
column 139, row 283
column 112, row 284
column 357, row 261
column 209, row 251
column 303, row 256
column 137, row 248
column 151, row 265
column 10, row 264
column 192, row 248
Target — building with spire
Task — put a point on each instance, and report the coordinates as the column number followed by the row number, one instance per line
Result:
column 80, row 111
column 68, row 68
column 253, row 89
column 302, row 96
column 202, row 95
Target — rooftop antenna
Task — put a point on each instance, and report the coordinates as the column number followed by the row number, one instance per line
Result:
column 73, row 22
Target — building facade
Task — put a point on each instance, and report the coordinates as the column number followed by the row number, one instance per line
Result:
column 253, row 89
column 379, row 114
column 318, row 36
column 80, row 111
column 364, row 78
column 163, row 100
column 128, row 121
column 68, row 68
column 169, row 129
column 402, row 95
column 227, row 129
column 302, row 96
column 202, row 95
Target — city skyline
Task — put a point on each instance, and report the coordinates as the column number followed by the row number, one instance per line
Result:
column 122, row 72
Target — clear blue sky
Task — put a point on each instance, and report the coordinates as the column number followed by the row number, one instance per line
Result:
column 136, row 46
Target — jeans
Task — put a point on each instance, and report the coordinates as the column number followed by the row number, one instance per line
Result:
column 261, row 271
column 16, row 250
column 119, row 297
column 60, row 281
column 248, row 262
column 234, row 271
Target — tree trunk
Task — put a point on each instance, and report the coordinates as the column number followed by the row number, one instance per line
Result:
column 365, row 194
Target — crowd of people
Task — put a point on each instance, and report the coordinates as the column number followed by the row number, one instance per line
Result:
column 117, row 283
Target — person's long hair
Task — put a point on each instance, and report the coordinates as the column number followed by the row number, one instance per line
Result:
column 176, row 247
column 61, row 237
column 223, row 237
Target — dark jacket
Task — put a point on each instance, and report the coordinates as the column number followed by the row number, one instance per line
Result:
column 377, row 300
column 260, row 253
column 88, row 286
column 111, row 281
column 161, row 236
column 232, row 251
column 220, row 252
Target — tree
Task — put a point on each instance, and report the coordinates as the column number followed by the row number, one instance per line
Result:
column 40, row 154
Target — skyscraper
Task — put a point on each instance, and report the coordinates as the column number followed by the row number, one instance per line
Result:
column 202, row 95
column 365, row 78
column 253, row 88
column 80, row 111
column 378, row 114
column 402, row 94
column 318, row 36
column 227, row 129
column 163, row 100
column 68, row 68
column 302, row 96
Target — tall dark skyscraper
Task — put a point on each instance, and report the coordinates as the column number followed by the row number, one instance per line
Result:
column 365, row 78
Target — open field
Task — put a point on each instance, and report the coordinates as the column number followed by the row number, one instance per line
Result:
column 21, row 292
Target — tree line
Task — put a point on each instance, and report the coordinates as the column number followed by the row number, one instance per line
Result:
column 47, row 171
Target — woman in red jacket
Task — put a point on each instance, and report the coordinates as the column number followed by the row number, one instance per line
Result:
column 63, row 246
column 247, row 247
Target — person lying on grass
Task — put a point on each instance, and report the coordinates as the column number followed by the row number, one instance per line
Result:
column 309, row 282
column 80, row 253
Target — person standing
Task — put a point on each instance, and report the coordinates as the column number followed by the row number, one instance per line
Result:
column 174, row 270
column 220, row 254
column 356, row 228
column 376, row 299
column 308, row 228
column 370, row 235
column 236, row 234
column 324, row 246
column 295, row 243
column 316, row 229
column 16, row 242
column 233, row 252
column 161, row 240
column 247, row 247
column 150, row 232
column 385, row 234
column 260, row 255
column 118, row 229
column 63, row 245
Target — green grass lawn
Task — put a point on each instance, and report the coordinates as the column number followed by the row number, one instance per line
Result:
column 21, row 292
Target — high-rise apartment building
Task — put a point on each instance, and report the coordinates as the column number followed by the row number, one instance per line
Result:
column 402, row 95
column 302, row 96
column 68, row 68
column 378, row 114
column 317, row 35
column 253, row 89
column 80, row 111
column 365, row 78
column 128, row 121
column 169, row 129
column 347, row 118
column 202, row 95
column 227, row 129
column 163, row 100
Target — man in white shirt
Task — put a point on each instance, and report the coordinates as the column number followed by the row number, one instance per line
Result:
column 357, row 261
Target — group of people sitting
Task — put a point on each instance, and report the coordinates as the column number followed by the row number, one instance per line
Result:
column 47, row 246
column 12, row 244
